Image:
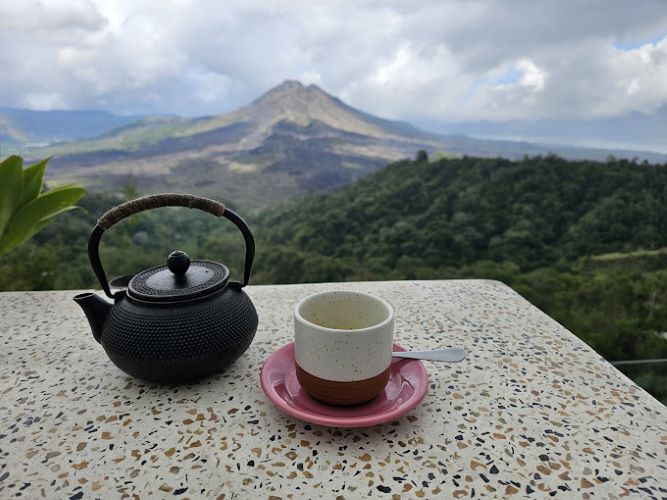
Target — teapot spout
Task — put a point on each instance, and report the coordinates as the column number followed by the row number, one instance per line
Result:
column 96, row 309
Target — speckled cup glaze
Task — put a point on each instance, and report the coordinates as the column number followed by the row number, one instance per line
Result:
column 343, row 344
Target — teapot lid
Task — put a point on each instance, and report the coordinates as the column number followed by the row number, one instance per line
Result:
column 179, row 280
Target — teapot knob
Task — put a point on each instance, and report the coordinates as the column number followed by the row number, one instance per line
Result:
column 178, row 262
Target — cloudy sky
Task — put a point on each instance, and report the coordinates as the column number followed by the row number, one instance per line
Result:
column 418, row 60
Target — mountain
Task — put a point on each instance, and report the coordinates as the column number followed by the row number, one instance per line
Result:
column 292, row 140
column 23, row 127
column 290, row 101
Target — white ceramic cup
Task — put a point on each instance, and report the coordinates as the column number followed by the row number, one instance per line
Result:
column 343, row 345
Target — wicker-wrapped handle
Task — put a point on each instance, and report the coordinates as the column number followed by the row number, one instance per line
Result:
column 132, row 207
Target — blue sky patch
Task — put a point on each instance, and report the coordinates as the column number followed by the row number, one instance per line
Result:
column 626, row 45
column 510, row 76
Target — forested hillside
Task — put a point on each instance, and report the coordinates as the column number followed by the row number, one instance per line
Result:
column 581, row 240
column 425, row 216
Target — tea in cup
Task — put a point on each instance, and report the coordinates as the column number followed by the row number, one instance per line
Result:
column 343, row 346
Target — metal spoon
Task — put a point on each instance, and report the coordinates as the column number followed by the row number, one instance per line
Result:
column 449, row 355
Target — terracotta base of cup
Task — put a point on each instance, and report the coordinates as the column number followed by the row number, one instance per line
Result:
column 342, row 393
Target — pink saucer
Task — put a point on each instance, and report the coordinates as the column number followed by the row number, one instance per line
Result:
column 406, row 388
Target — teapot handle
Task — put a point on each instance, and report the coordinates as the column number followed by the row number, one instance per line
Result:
column 132, row 207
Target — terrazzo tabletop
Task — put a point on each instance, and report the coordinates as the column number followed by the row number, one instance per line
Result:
column 532, row 412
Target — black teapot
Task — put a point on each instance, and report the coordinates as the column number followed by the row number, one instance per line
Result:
column 174, row 323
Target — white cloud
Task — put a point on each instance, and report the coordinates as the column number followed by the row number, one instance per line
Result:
column 633, row 86
column 426, row 60
column 310, row 77
column 532, row 75
column 50, row 17
column 208, row 86
column 44, row 102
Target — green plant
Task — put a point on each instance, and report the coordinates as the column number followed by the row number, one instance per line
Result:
column 24, row 208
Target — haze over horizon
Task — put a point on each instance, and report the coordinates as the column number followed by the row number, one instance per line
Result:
column 437, row 65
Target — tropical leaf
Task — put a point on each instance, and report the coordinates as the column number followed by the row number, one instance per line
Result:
column 11, row 189
column 36, row 229
column 31, row 218
column 64, row 186
column 32, row 181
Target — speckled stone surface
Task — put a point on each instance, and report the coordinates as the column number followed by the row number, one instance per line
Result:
column 532, row 412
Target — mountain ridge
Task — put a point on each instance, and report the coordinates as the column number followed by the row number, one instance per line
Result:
column 291, row 100
column 21, row 126
column 634, row 131
column 292, row 140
